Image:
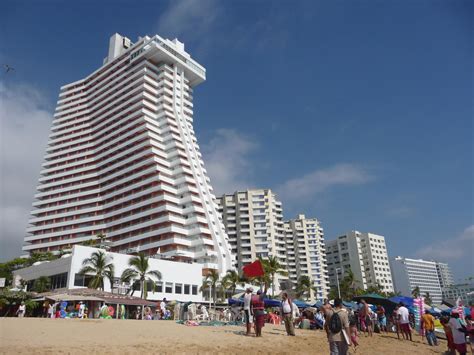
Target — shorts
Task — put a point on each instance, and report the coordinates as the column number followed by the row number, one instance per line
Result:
column 383, row 322
column 405, row 327
column 462, row 348
column 248, row 317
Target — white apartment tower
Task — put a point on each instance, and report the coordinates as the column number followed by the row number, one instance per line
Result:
column 363, row 253
column 254, row 223
column 123, row 160
column 306, row 255
column 410, row 273
column 445, row 276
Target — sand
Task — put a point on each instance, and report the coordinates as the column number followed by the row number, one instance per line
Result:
column 74, row 336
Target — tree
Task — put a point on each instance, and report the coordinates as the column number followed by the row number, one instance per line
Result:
column 348, row 286
column 272, row 267
column 428, row 300
column 231, row 280
column 304, row 287
column 211, row 281
column 99, row 266
column 42, row 284
column 139, row 270
column 416, row 292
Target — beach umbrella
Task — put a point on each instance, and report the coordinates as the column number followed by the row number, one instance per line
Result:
column 301, row 304
column 376, row 299
column 318, row 304
column 407, row 301
column 272, row 303
column 351, row 305
column 238, row 295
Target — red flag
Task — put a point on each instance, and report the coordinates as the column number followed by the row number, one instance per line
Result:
column 254, row 269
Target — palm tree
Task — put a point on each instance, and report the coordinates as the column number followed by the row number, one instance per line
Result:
column 272, row 267
column 232, row 279
column 416, row 292
column 303, row 288
column 99, row 266
column 42, row 284
column 139, row 270
column 211, row 281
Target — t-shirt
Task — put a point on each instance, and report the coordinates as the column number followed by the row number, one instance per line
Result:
column 458, row 337
column 428, row 321
column 247, row 301
column 22, row 308
column 344, row 321
column 286, row 306
column 404, row 315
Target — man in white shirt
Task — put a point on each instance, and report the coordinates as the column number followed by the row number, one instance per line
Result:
column 248, row 309
column 287, row 314
column 82, row 307
column 163, row 308
column 21, row 310
column 404, row 320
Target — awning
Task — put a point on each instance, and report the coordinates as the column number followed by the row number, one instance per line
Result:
column 71, row 298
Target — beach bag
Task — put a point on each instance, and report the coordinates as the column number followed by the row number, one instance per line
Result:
column 335, row 324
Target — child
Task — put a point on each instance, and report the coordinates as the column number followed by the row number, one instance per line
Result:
column 354, row 332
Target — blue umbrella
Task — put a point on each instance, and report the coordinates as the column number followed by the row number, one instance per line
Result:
column 301, row 304
column 407, row 301
column 318, row 304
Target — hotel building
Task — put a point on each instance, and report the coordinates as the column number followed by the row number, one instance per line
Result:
column 363, row 253
column 306, row 255
column 253, row 221
column 123, row 160
column 445, row 276
column 410, row 273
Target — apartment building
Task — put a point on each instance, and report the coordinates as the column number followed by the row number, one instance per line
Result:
column 253, row 221
column 306, row 255
column 363, row 253
column 464, row 291
column 122, row 159
column 410, row 273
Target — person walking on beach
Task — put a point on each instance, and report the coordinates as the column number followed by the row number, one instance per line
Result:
column 21, row 310
column 365, row 321
column 459, row 332
column 337, row 329
column 381, row 318
column 427, row 323
column 287, row 314
column 50, row 311
column 404, row 321
column 248, row 309
column 258, row 309
column 395, row 321
column 163, row 308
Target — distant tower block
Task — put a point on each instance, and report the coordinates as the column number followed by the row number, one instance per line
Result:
column 123, row 160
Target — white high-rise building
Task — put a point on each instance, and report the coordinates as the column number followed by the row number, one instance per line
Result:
column 254, row 223
column 306, row 254
column 363, row 253
column 410, row 273
column 123, row 160
column 445, row 274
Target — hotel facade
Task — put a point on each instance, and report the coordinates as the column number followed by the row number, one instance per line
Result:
column 363, row 253
column 123, row 160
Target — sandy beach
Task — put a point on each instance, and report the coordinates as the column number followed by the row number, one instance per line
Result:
column 73, row 336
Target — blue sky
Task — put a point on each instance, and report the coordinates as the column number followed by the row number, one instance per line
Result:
column 358, row 113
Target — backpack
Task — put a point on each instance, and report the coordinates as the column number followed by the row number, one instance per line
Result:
column 335, row 324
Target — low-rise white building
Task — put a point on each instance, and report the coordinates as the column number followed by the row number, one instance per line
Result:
column 180, row 281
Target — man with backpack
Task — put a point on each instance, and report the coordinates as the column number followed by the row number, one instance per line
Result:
column 337, row 329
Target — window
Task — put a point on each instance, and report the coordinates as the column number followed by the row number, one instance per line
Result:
column 159, row 286
column 187, row 289
column 195, row 290
column 178, row 288
column 169, row 287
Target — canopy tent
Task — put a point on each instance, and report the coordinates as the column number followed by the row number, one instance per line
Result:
column 351, row 305
column 407, row 301
column 376, row 299
column 467, row 311
column 301, row 304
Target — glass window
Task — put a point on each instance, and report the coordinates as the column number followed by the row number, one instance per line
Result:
column 195, row 289
column 178, row 288
column 169, row 287
column 187, row 289
column 159, row 286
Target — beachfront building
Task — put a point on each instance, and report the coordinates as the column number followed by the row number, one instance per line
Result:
column 306, row 254
column 363, row 253
column 253, row 221
column 180, row 281
column 464, row 291
column 123, row 160
column 445, row 275
column 410, row 273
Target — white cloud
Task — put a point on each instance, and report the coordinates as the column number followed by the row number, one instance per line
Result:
column 189, row 20
column 25, row 123
column 307, row 186
column 450, row 249
column 227, row 160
